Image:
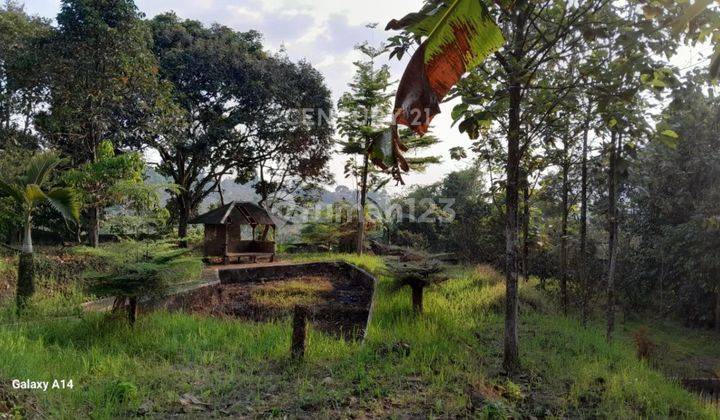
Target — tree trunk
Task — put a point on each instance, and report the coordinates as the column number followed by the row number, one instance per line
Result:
column 183, row 218
column 26, row 280
column 515, row 75
column 585, row 287
column 526, row 230
column 26, row 270
column 417, row 299
column 94, row 227
column 222, row 197
column 563, row 229
column 717, row 311
column 360, row 239
column 132, row 310
column 511, row 358
column 612, row 235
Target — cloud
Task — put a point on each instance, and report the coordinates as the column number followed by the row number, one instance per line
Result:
column 340, row 35
column 278, row 28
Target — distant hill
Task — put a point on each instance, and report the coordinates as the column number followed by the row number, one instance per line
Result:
column 233, row 191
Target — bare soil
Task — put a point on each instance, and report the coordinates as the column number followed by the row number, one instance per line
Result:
column 338, row 306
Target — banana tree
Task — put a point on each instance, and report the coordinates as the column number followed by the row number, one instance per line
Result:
column 28, row 190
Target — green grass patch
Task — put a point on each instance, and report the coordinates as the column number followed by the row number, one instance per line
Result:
column 286, row 295
column 443, row 363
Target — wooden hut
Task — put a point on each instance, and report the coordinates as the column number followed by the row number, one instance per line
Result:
column 223, row 232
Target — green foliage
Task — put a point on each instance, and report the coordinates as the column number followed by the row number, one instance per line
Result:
column 451, row 363
column 483, row 35
column 237, row 112
column 10, row 219
column 363, row 124
column 471, row 226
column 117, row 180
column 103, row 79
column 151, row 275
column 697, row 22
column 335, row 228
column 22, row 74
column 362, row 112
column 673, row 234
column 29, row 188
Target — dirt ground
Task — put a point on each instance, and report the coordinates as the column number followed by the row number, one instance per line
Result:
column 337, row 305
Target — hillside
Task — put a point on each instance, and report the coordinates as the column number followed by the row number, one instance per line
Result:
column 444, row 363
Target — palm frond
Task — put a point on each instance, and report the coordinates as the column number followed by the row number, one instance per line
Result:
column 65, row 201
column 33, row 194
column 39, row 167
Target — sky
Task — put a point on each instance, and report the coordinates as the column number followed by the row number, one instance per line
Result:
column 325, row 33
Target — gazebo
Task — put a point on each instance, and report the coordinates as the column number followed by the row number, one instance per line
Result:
column 223, row 232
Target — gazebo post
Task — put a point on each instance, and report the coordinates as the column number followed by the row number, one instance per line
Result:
column 226, row 260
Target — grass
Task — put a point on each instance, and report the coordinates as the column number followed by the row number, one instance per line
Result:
column 124, row 252
column 286, row 295
column 443, row 363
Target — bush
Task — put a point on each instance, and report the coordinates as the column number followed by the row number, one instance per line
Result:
column 150, row 275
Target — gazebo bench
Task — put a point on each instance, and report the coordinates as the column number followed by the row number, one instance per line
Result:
column 252, row 256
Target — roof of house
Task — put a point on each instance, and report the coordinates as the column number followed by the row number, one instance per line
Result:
column 245, row 213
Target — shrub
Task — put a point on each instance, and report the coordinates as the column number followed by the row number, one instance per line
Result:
column 417, row 275
column 149, row 276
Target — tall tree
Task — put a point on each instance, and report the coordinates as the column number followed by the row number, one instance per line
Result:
column 23, row 75
column 621, row 92
column 584, row 281
column 363, row 123
column 237, row 107
column 539, row 36
column 295, row 136
column 362, row 112
column 103, row 82
column 109, row 180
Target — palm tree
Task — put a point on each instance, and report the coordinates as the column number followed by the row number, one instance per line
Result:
column 28, row 190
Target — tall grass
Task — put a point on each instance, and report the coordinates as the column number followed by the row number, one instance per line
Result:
column 445, row 362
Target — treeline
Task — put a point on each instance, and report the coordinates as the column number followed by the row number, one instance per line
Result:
column 104, row 87
column 668, row 233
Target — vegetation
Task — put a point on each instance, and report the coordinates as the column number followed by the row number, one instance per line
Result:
column 585, row 200
column 28, row 191
column 417, row 275
column 362, row 124
column 145, row 278
column 443, row 363
column 235, row 114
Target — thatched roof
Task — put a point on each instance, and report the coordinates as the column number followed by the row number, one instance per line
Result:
column 245, row 213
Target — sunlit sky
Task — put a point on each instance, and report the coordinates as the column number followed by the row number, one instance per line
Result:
column 324, row 32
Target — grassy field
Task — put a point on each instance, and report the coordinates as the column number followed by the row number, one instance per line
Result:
column 444, row 363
